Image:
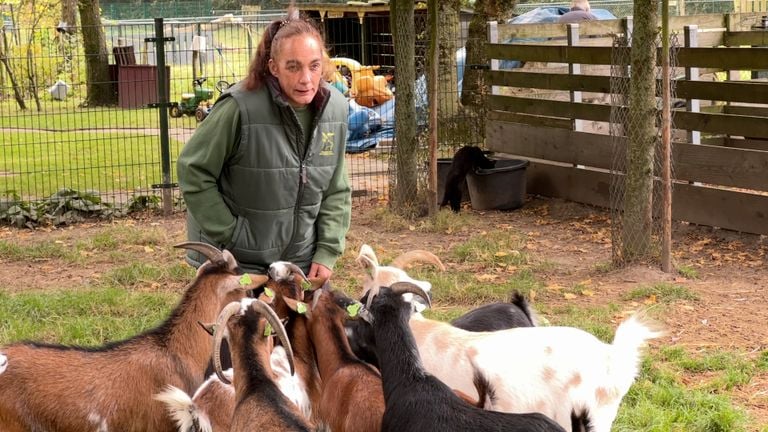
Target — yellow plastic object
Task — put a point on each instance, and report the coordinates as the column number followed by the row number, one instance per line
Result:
column 367, row 89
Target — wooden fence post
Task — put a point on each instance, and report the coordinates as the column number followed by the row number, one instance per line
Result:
column 574, row 69
column 692, row 74
column 493, row 37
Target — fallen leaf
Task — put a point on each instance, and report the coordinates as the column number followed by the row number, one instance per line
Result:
column 587, row 293
column 650, row 300
column 569, row 296
column 532, row 295
column 486, row 277
column 501, row 254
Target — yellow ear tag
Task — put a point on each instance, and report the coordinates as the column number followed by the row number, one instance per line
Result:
column 269, row 293
column 301, row 308
column 268, row 330
column 305, row 285
column 245, row 280
column 353, row 309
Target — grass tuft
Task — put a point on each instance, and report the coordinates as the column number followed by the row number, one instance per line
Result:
column 664, row 293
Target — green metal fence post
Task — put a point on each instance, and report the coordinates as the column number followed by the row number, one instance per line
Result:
column 163, row 104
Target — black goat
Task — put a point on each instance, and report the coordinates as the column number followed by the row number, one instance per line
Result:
column 416, row 400
column 490, row 317
column 465, row 159
column 498, row 316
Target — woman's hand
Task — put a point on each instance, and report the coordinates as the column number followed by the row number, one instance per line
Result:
column 319, row 271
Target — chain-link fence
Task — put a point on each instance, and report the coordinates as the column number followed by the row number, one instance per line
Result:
column 626, row 242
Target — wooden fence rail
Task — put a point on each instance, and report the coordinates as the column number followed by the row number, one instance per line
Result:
column 720, row 154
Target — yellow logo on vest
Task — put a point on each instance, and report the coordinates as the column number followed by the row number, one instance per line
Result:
column 327, row 149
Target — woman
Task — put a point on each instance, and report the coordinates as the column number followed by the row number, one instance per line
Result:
column 263, row 176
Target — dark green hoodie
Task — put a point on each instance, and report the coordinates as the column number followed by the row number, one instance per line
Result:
column 248, row 189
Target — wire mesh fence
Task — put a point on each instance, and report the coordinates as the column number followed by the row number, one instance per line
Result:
column 625, row 243
column 57, row 141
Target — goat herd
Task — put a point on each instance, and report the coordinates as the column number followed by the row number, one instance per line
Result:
column 290, row 354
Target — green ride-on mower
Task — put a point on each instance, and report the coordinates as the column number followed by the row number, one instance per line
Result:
column 197, row 103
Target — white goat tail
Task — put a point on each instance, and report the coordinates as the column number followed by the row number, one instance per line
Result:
column 3, row 362
column 183, row 410
column 631, row 336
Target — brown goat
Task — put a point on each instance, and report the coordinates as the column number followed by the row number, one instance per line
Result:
column 72, row 389
column 352, row 397
column 288, row 283
column 259, row 403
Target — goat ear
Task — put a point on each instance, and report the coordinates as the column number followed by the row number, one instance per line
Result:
column 297, row 306
column 370, row 266
column 315, row 283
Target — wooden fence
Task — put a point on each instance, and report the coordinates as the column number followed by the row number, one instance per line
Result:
column 555, row 111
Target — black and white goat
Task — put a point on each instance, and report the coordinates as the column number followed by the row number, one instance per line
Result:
column 416, row 400
column 553, row 370
column 496, row 316
column 72, row 389
column 259, row 405
column 499, row 316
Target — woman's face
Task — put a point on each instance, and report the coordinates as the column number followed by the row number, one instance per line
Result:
column 298, row 66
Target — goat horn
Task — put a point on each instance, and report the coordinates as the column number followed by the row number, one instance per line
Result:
column 408, row 287
column 210, row 252
column 296, row 269
column 417, row 255
column 218, row 335
column 267, row 312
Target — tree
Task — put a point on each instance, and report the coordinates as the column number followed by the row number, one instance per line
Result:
column 637, row 223
column 404, row 195
column 473, row 87
column 69, row 14
column 448, row 34
column 98, row 82
column 4, row 48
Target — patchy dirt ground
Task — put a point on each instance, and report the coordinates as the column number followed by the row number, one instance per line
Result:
column 731, row 272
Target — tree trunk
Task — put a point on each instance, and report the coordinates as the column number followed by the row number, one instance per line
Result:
column 69, row 14
column 637, row 222
column 404, row 194
column 448, row 78
column 485, row 10
column 11, row 76
column 99, row 87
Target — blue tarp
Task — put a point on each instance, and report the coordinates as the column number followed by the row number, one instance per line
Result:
column 368, row 126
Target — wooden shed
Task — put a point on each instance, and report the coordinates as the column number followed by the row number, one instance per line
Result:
column 361, row 30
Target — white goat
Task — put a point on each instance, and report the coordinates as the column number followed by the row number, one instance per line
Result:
column 552, row 370
column 378, row 276
column 557, row 371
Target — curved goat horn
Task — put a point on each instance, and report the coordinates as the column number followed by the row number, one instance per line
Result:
column 218, row 336
column 408, row 287
column 208, row 251
column 296, row 269
column 417, row 255
column 277, row 324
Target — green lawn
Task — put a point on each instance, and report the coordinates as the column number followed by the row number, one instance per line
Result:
column 40, row 163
